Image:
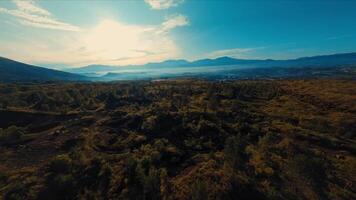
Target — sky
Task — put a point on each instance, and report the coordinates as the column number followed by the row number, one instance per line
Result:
column 73, row 33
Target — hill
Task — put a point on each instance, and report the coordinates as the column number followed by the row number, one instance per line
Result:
column 11, row 70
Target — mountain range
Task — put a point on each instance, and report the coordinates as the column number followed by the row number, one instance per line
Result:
column 11, row 70
column 323, row 60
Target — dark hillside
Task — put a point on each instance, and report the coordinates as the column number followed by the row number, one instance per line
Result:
column 11, row 70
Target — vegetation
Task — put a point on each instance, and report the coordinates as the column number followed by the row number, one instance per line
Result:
column 178, row 139
column 11, row 134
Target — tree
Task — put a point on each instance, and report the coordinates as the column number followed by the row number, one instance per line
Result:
column 4, row 104
column 199, row 190
column 11, row 134
column 152, row 185
column 234, row 152
column 133, row 182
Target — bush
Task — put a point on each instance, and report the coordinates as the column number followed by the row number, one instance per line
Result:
column 234, row 152
column 152, row 184
column 11, row 135
column 3, row 178
column 16, row 191
column 311, row 168
column 199, row 190
column 60, row 186
column 60, row 164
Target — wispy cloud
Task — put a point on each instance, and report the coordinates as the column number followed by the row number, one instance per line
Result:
column 163, row 4
column 235, row 52
column 173, row 22
column 30, row 14
column 29, row 7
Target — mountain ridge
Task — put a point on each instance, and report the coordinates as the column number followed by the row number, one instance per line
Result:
column 331, row 59
column 12, row 71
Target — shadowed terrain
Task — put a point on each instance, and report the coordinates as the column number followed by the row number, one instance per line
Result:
column 178, row 139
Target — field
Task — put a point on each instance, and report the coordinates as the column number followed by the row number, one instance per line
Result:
column 179, row 139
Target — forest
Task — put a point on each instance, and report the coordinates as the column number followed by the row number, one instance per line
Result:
column 178, row 139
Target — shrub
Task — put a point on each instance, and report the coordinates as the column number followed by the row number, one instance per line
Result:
column 3, row 178
column 234, row 152
column 311, row 168
column 152, row 184
column 199, row 190
column 60, row 164
column 11, row 135
column 16, row 191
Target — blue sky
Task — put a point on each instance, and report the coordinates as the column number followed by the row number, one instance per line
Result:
column 74, row 33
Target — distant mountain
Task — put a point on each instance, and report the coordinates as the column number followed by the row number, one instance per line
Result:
column 329, row 60
column 167, row 63
column 223, row 67
column 11, row 70
column 92, row 69
column 223, row 61
column 325, row 60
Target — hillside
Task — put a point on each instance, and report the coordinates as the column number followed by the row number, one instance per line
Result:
column 11, row 70
column 179, row 139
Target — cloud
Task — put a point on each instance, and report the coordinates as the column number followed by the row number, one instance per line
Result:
column 163, row 4
column 117, row 43
column 113, row 42
column 109, row 42
column 29, row 7
column 173, row 22
column 30, row 14
column 235, row 52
